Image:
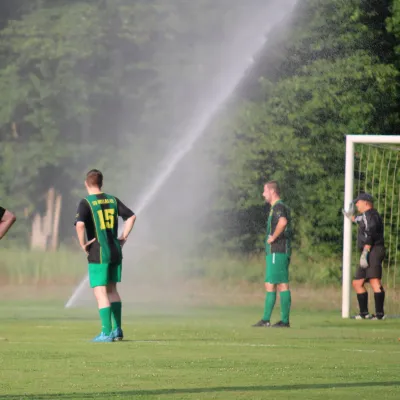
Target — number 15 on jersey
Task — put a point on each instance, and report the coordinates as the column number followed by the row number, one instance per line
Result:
column 106, row 218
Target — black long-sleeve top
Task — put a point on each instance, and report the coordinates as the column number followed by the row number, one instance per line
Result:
column 370, row 229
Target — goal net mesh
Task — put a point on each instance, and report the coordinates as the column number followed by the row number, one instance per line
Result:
column 377, row 171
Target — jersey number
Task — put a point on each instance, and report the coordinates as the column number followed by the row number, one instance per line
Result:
column 106, row 218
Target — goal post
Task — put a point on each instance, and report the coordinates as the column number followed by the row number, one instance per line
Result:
column 351, row 140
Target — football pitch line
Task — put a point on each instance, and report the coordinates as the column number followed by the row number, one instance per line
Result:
column 211, row 343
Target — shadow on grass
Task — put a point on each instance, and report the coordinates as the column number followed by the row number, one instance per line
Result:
column 159, row 392
column 183, row 340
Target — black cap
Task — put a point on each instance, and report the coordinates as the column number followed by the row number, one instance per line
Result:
column 365, row 197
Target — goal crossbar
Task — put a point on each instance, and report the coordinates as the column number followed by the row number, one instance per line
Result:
column 351, row 140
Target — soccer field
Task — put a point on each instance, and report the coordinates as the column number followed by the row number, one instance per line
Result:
column 195, row 353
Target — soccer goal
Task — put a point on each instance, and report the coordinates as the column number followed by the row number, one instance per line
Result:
column 373, row 166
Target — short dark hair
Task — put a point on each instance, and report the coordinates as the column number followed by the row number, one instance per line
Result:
column 274, row 185
column 94, row 178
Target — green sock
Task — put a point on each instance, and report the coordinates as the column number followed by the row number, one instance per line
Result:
column 116, row 311
column 270, row 298
column 105, row 316
column 286, row 300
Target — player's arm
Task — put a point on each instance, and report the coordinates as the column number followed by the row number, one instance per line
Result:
column 282, row 215
column 280, row 227
column 350, row 214
column 7, row 219
column 371, row 232
column 128, row 226
column 129, row 218
column 82, row 215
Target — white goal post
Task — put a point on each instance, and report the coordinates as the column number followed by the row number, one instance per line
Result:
column 348, row 198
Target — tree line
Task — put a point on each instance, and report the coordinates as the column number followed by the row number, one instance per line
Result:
column 78, row 77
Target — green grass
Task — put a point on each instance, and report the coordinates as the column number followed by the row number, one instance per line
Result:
column 195, row 353
column 68, row 265
column 20, row 266
column 311, row 269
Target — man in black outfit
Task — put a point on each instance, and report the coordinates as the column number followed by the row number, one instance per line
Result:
column 370, row 242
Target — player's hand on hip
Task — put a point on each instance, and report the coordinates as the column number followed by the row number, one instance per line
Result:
column 122, row 241
column 86, row 245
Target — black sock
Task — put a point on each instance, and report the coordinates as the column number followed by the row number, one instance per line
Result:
column 363, row 303
column 379, row 301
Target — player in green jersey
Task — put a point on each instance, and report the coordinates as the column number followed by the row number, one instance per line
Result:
column 7, row 219
column 98, row 215
column 278, row 252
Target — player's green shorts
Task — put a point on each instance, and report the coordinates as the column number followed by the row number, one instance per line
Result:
column 103, row 274
column 277, row 268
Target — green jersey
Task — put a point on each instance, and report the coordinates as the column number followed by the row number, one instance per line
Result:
column 282, row 244
column 100, row 213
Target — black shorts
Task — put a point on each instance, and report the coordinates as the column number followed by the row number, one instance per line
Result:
column 375, row 259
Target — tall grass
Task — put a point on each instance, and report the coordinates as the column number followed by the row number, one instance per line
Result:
column 304, row 269
column 20, row 267
column 310, row 274
column 68, row 266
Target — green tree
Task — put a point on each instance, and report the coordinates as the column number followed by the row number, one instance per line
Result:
column 336, row 79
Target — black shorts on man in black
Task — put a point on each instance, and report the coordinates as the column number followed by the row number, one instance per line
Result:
column 375, row 260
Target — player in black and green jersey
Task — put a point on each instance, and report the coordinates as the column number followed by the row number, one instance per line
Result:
column 278, row 252
column 98, row 214
column 7, row 219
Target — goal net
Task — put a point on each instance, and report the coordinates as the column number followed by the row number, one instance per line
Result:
column 373, row 166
